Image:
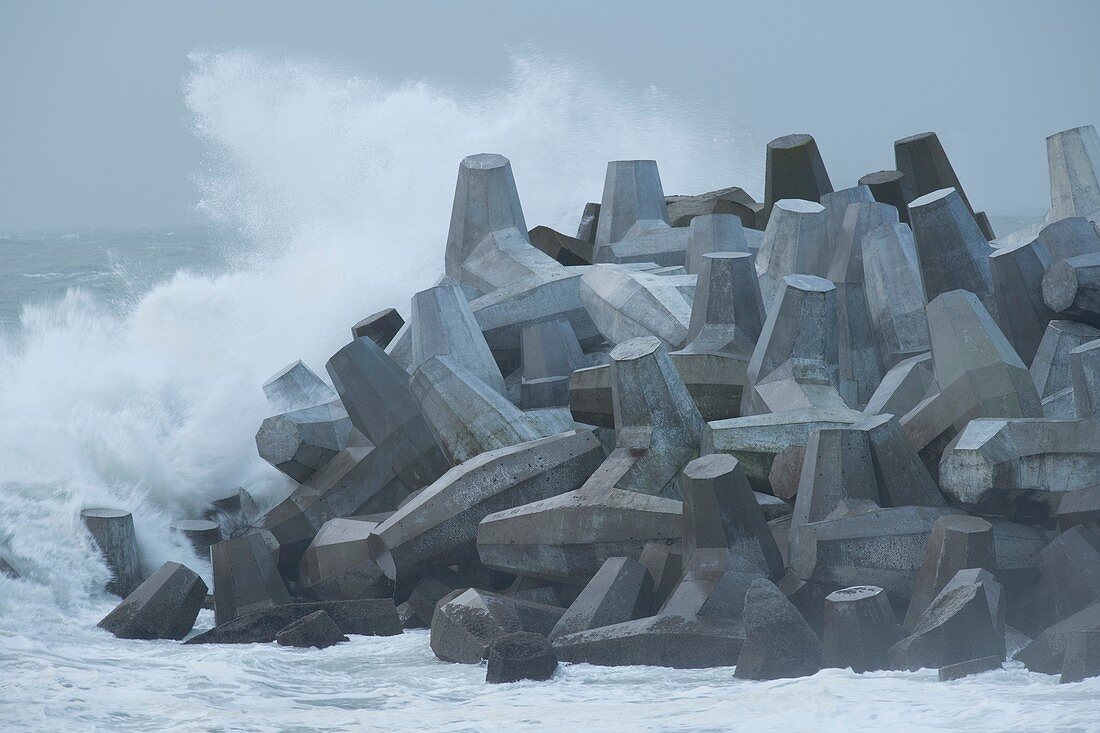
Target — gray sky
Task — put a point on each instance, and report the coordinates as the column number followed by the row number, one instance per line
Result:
column 94, row 132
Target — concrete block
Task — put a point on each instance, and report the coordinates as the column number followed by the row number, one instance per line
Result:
column 466, row 622
column 551, row 353
column 727, row 315
column 793, row 170
column 860, row 364
column 444, row 325
column 1017, row 272
column 246, row 578
column 1050, row 367
column 682, row 210
column 164, row 606
column 663, row 641
column 662, row 246
column 953, row 252
column 621, row 590
column 297, row 386
column 590, row 218
column 633, row 201
column 796, row 241
column 112, row 530
column 316, row 630
column 786, row 472
column 778, row 641
column 895, row 292
column 1070, row 572
column 335, row 566
column 520, row 656
column 1082, row 658
column 1081, row 507
column 890, row 187
column 365, row 617
column 561, row 247
column 713, row 233
column 665, row 565
column 857, row 220
column 1073, row 158
column 1070, row 237
column 199, row 533
column 923, row 162
column 859, row 629
column 958, row 670
column 957, row 542
column 1071, row 288
column 625, row 305
column 1047, row 652
column 903, row 387
column 381, row 327
column 300, row 442
column 1084, row 370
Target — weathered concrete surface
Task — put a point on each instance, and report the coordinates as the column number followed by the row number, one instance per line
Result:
column 1084, row 370
column 335, row 566
column 112, row 531
column 903, row 387
column 1071, row 288
column 859, row 629
column 199, row 533
column 957, row 542
column 662, row 246
column 1073, row 158
column 890, row 187
column 727, row 315
column 1082, row 657
column 682, row 210
column 895, row 292
column 1070, row 572
column 795, row 242
column 1017, row 273
column 520, row 656
column 590, row 218
column 663, row 641
column 317, row 630
column 164, row 606
column 439, row 527
column 246, row 578
column 713, row 233
column 1050, row 367
column 1047, row 651
column 924, row 163
column 778, row 641
column 466, row 622
column 366, row 617
column 626, row 304
column 621, row 590
column 860, row 365
column 953, row 252
column 724, row 528
column 793, row 170
column 633, row 201
column 561, row 247
column 297, row 386
column 665, row 564
column 444, row 325
column 550, row 354
column 300, row 442
column 381, row 327
column 858, row 219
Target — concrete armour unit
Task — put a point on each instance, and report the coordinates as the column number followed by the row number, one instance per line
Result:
column 300, row 442
column 795, row 364
column 795, row 242
column 957, row 542
column 895, row 292
column 362, row 617
column 633, row 201
column 663, row 247
column 590, row 218
column 621, row 590
column 859, row 218
column 713, row 233
column 682, row 210
column 503, row 313
column 956, row 627
column 316, row 630
column 1073, row 158
column 561, row 247
column 199, row 533
column 836, row 207
column 1050, row 367
column 625, row 304
column 380, row 327
column 466, row 415
column 655, row 417
column 164, row 606
column 297, row 386
column 246, row 577
column 336, row 566
column 860, row 365
column 112, row 531
column 958, row 670
column 859, row 629
column 1069, row 570
column 381, row 406
column 439, row 527
column 1082, row 658
column 890, row 187
column 1084, row 370
column 778, row 641
column 467, row 621
column 680, row 642
column 550, row 354
column 1020, row 467
column 953, row 252
column 925, row 166
column 1046, row 653
column 444, row 325
column 1070, row 237
column 1017, row 271
column 903, row 387
column 793, row 170
column 727, row 314
column 1071, row 288
column 724, row 528
column 520, row 656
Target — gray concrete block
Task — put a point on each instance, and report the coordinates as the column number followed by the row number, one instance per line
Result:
column 1017, row 272
column 317, row 630
column 713, row 233
column 297, row 386
column 727, row 315
column 520, row 656
column 895, row 292
column 1050, row 367
column 682, row 210
column 199, row 533
column 860, row 364
column 890, row 187
column 625, row 304
column 246, row 578
column 1073, row 159
column 302, row 441
column 364, row 617
column 957, row 542
column 1084, row 370
column 925, row 166
column 1070, row 237
column 1071, row 288
column 1082, row 658
column 381, row 327
column 561, row 247
column 439, row 527
column 621, row 590
column 112, row 530
column 444, row 325
column 903, row 387
column 1046, row 653
column 778, row 641
column 952, row 251
column 859, row 629
column 551, row 353
column 663, row 641
column 590, row 217
column 796, row 241
column 1070, row 571
column 857, row 220
column 633, row 201
column 467, row 622
column 336, row 566
column 164, row 606
column 665, row 564
column 793, row 170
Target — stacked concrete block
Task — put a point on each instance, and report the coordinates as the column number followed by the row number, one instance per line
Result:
column 665, row 640
column 795, row 242
column 1082, row 658
column 199, row 533
column 633, row 201
column 627, row 304
column 1084, row 370
column 622, row 590
column 713, row 233
column 316, row 630
column 1070, row 572
column 682, row 210
column 467, row 622
column 302, row 441
column 903, row 387
column 895, row 292
column 297, row 386
column 246, row 578
column 336, row 566
column 957, row 543
column 164, row 606
column 836, row 208
column 1050, row 367
column 112, row 531
column 953, row 252
column 859, row 629
column 926, row 168
column 381, row 327
column 727, row 315
column 1070, row 237
column 793, row 170
column 1073, row 157
column 444, row 325
column 1071, row 288
column 859, row 219
column 520, row 656
column 550, row 353
column 890, row 187
column 1017, row 271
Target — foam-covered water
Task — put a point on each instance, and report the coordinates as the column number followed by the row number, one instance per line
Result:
column 338, row 191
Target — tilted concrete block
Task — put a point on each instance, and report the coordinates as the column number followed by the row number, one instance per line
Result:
column 300, row 442
column 713, row 233
column 724, row 528
column 903, row 387
column 246, row 578
column 381, row 327
column 297, row 386
column 859, row 629
column 1073, row 158
column 1047, row 652
column 793, row 170
column 625, row 305
column 1082, row 657
column 890, row 187
column 561, row 247
column 795, row 242
column 924, row 163
column 682, row 210
column 467, row 622
column 336, row 566
column 164, row 606
column 1071, row 288
column 520, row 656
column 663, row 247
column 444, row 325
column 622, row 590
column 1017, row 272
column 199, row 533
column 1020, row 467
column 362, row 617
column 778, row 641
column 112, row 530
column 727, row 315
column 859, row 219
column 860, row 365
column 665, row 641
column 1070, row 237
column 1070, row 572
column 551, row 353
column 953, row 252
column 633, row 201
column 590, row 218
column 440, row 526
column 1050, row 367
column 1084, row 370
column 665, row 564
column 957, row 542
column 895, row 292
column 316, row 630
column 836, row 207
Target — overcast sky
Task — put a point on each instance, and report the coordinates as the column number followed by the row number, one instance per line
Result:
column 94, row 132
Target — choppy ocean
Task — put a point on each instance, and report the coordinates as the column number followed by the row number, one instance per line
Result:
column 130, row 365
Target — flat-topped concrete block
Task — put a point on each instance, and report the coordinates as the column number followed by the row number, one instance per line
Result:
column 778, row 641
column 336, row 567
column 794, row 170
column 380, row 327
column 957, row 542
column 633, row 201
column 1017, row 272
column 444, row 325
column 246, row 577
column 300, row 442
column 727, row 315
column 1073, row 159
column 1070, row 237
column 112, row 530
column 682, row 210
column 923, row 162
column 1071, row 288
column 550, row 353
column 953, row 252
column 890, row 187
column 895, row 292
column 199, row 533
column 297, row 386
column 520, row 656
column 673, row 641
column 796, row 241
column 713, row 233
column 859, row 629
column 621, row 590
column 316, row 630
column 164, row 606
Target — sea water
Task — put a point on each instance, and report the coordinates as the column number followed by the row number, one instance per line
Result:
column 130, row 365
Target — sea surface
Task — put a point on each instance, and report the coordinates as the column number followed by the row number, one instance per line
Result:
column 130, row 371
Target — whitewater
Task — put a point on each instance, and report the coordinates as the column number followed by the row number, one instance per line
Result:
column 334, row 193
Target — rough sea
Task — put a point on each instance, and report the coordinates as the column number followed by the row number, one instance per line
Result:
column 130, row 365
